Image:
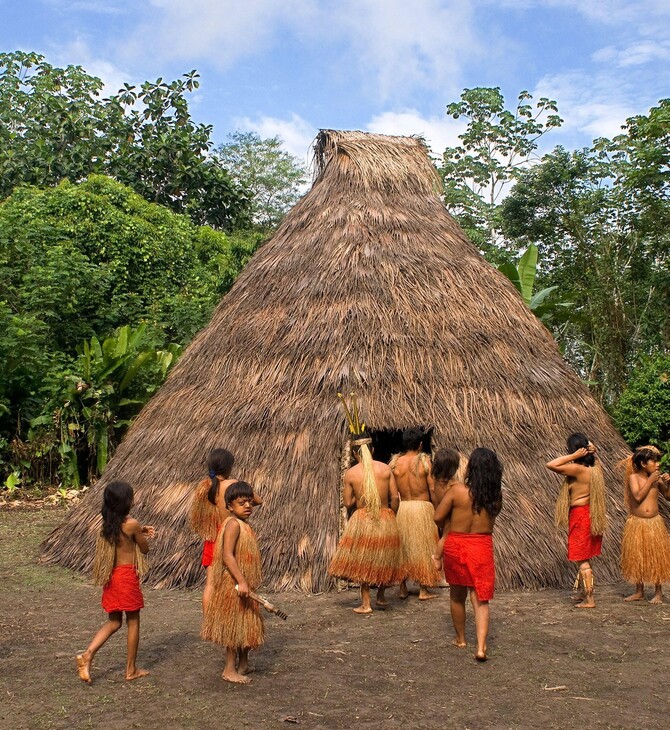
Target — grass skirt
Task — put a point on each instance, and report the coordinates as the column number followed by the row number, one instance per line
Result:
column 645, row 550
column 369, row 550
column 418, row 540
column 231, row 621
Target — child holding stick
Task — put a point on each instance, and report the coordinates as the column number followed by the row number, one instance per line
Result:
column 119, row 562
column 645, row 548
column 233, row 619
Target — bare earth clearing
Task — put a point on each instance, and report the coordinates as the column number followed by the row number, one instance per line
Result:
column 551, row 666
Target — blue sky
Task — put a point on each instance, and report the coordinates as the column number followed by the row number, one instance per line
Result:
column 291, row 67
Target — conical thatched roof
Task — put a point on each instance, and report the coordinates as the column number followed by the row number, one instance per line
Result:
column 368, row 285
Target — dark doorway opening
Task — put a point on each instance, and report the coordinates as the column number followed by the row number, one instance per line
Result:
column 387, row 442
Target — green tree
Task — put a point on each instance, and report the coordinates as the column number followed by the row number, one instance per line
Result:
column 643, row 411
column 603, row 239
column 79, row 261
column 496, row 146
column 272, row 176
column 54, row 126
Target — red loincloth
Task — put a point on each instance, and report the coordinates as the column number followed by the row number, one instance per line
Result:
column 123, row 592
column 468, row 561
column 582, row 545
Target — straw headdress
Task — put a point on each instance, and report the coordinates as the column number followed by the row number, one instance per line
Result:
column 368, row 268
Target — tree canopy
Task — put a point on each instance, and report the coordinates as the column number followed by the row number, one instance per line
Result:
column 54, row 126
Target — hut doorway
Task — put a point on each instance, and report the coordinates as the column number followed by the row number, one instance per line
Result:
column 387, row 442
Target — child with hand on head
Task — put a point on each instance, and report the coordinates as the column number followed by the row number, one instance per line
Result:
column 581, row 508
column 233, row 619
column 119, row 562
column 645, row 547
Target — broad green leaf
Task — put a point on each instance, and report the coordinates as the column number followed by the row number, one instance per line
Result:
column 527, row 268
column 510, row 271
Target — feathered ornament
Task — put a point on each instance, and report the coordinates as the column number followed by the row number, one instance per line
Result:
column 360, row 439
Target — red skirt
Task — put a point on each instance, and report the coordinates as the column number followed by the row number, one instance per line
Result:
column 208, row 551
column 468, row 561
column 123, row 592
column 582, row 545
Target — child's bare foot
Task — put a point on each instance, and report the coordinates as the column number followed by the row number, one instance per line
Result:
column 578, row 597
column 425, row 594
column 83, row 667
column 362, row 609
column 460, row 643
column 637, row 596
column 403, row 592
column 235, row 677
column 586, row 603
column 136, row 674
column 658, row 598
column 480, row 656
column 243, row 667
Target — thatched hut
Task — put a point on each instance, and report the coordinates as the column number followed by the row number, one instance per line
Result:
column 368, row 285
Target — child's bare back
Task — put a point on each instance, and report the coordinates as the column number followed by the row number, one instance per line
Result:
column 384, row 479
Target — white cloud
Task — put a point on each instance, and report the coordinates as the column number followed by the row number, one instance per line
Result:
column 596, row 106
column 296, row 134
column 392, row 46
column 78, row 52
column 635, row 54
column 439, row 132
column 221, row 31
column 401, row 46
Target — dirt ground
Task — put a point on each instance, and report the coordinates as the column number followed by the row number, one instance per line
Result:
column 551, row 665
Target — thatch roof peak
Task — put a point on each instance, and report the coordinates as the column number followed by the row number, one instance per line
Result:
column 357, row 156
column 367, row 285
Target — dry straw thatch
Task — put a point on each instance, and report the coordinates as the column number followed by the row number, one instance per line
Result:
column 368, row 285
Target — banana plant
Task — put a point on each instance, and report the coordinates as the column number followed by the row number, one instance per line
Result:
column 111, row 382
column 523, row 277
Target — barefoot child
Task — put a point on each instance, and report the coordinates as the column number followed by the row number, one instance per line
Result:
column 645, row 548
column 468, row 549
column 441, row 478
column 232, row 619
column 119, row 562
column 416, row 526
column 581, row 508
column 208, row 510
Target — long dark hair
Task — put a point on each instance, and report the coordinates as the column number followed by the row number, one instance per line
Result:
column 220, row 463
column 445, row 464
column 580, row 441
column 116, row 503
column 484, row 480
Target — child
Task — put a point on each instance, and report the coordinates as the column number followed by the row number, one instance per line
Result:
column 468, row 549
column 416, row 526
column 118, row 564
column 208, row 510
column 441, row 478
column 369, row 550
column 645, row 548
column 581, row 508
column 233, row 619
